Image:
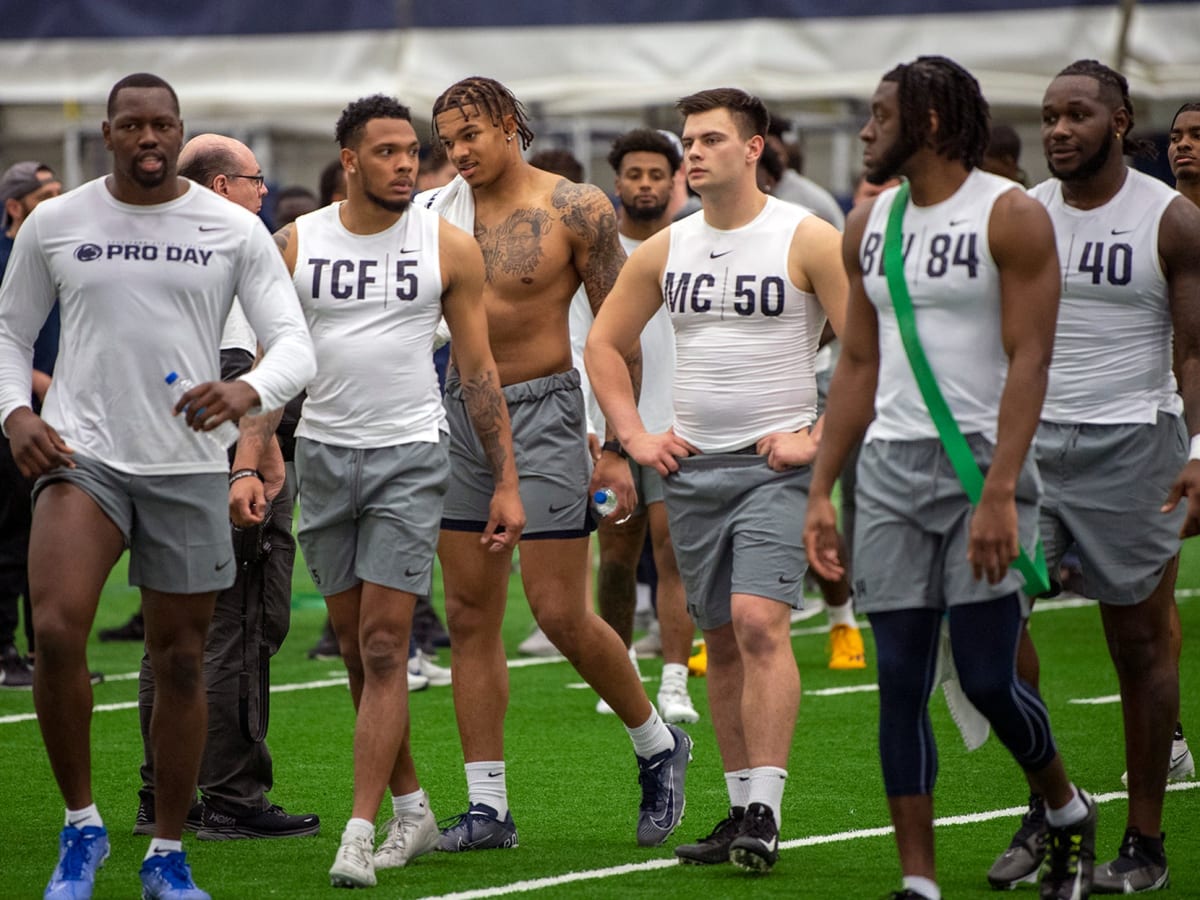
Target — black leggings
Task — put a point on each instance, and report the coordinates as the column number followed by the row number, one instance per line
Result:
column 984, row 640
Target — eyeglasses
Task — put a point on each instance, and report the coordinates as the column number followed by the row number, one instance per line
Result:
column 257, row 179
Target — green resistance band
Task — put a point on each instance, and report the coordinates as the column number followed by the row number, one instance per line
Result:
column 1032, row 570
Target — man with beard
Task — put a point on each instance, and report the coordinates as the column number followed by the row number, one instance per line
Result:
column 145, row 265
column 529, row 282
column 1183, row 151
column 375, row 275
column 1112, row 445
column 748, row 283
column 984, row 288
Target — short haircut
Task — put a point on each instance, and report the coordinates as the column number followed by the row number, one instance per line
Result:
column 1187, row 107
column 140, row 80
column 333, row 181
column 644, row 140
column 772, row 162
column 940, row 84
column 489, row 97
column 748, row 112
column 560, row 162
column 354, row 118
column 1115, row 89
column 1004, row 141
column 206, row 164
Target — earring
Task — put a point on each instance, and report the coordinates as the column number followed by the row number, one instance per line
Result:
column 1118, row 135
column 508, row 138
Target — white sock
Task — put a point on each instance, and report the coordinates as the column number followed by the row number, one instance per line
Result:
column 487, row 784
column 923, row 886
column 842, row 615
column 414, row 803
column 359, row 828
column 1073, row 812
column 675, row 675
column 161, row 847
column 766, row 787
column 81, row 818
column 651, row 737
column 738, row 785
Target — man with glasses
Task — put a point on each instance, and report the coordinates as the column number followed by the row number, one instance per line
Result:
column 252, row 617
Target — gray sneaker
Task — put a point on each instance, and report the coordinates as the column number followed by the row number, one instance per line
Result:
column 661, row 777
column 1070, row 856
column 1020, row 862
column 1141, row 865
column 479, row 828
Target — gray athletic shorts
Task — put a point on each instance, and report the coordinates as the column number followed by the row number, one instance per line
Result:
column 550, row 445
column 649, row 484
column 175, row 526
column 1104, row 487
column 913, row 523
column 736, row 527
column 371, row 515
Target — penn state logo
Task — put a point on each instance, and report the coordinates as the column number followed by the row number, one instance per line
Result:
column 88, row 252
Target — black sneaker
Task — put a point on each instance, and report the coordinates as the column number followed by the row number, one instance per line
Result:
column 714, row 848
column 15, row 673
column 133, row 630
column 1070, row 855
column 144, row 823
column 1023, row 858
column 326, row 647
column 756, row 847
column 272, row 822
column 1141, row 865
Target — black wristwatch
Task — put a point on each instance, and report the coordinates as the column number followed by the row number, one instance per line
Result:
column 614, row 447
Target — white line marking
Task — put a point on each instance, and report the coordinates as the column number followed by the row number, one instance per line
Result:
column 536, row 884
column 1096, row 701
column 848, row 689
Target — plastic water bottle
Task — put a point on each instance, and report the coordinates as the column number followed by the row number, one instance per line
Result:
column 604, row 502
column 224, row 434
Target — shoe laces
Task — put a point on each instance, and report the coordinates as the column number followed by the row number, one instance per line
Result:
column 462, row 821
column 76, row 853
column 726, row 828
column 653, row 786
column 759, row 823
column 174, row 870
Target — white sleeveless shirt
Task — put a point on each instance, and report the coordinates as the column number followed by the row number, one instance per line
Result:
column 372, row 303
column 745, row 335
column 1112, row 348
column 955, row 289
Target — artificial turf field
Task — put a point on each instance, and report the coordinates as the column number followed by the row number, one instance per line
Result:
column 573, row 781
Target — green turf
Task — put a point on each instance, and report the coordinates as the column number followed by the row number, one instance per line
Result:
column 572, row 779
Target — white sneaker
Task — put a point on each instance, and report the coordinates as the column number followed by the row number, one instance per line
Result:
column 416, row 682
column 407, row 837
column 675, row 706
column 1183, row 766
column 354, row 865
column 649, row 644
column 422, row 663
column 537, row 644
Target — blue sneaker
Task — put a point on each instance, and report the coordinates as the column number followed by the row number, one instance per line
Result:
column 81, row 851
column 661, row 777
column 479, row 828
column 169, row 877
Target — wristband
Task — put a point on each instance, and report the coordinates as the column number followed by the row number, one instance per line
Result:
column 244, row 473
column 614, row 447
column 1194, row 452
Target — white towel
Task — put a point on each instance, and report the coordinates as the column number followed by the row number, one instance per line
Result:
column 972, row 724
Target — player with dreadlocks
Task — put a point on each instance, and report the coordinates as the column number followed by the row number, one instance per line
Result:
column 542, row 236
column 979, row 265
column 1112, row 445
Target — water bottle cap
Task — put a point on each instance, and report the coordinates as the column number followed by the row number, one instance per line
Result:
column 172, row 377
column 600, row 496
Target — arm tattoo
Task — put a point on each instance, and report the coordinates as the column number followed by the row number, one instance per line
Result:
column 633, row 361
column 514, row 247
column 283, row 237
column 485, row 406
column 256, row 432
column 586, row 212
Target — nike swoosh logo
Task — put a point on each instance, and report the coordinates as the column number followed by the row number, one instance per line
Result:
column 557, row 509
column 413, row 250
column 210, row 227
column 220, row 566
column 410, row 573
column 76, row 824
column 712, row 255
column 783, row 580
column 494, row 774
column 1122, row 231
column 954, row 223
column 669, row 806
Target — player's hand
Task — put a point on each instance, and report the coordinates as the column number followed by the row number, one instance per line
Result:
column 247, row 502
column 1187, row 485
column 821, row 542
column 36, row 446
column 213, row 402
column 993, row 545
column 788, row 449
column 612, row 471
column 661, row 452
column 506, row 520
column 594, row 450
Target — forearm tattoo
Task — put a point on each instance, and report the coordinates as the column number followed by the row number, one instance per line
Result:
column 283, row 236
column 586, row 212
column 485, row 406
column 633, row 361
